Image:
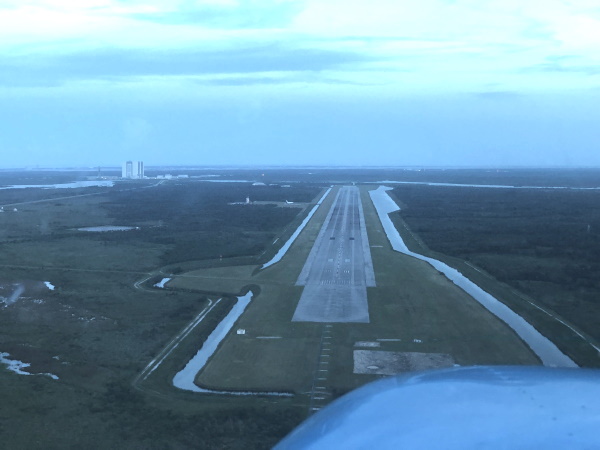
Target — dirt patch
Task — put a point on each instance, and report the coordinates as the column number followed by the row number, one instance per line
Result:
column 391, row 363
column 366, row 344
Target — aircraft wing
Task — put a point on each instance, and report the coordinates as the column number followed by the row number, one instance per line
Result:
column 489, row 407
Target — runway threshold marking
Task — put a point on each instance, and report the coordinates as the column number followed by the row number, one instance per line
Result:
column 339, row 267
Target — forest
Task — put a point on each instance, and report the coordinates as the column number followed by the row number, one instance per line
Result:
column 196, row 220
column 544, row 242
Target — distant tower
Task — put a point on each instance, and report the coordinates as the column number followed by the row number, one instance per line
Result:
column 133, row 169
column 247, row 200
column 140, row 169
column 127, row 171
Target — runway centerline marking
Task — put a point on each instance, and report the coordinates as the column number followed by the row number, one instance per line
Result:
column 338, row 295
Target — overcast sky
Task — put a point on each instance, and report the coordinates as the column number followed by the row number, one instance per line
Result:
column 310, row 82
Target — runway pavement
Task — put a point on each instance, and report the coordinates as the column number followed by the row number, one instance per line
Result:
column 339, row 267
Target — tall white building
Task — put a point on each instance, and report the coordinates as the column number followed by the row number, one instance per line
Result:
column 127, row 169
column 140, row 169
column 133, row 169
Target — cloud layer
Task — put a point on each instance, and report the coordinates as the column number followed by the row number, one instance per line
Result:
column 467, row 63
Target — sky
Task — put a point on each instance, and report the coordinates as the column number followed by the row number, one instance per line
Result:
column 300, row 82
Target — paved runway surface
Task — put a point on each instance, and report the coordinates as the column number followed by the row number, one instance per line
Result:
column 339, row 267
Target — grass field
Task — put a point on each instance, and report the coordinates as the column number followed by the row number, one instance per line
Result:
column 413, row 309
column 532, row 249
column 96, row 332
column 105, row 322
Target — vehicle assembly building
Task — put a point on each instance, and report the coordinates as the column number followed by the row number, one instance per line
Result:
column 133, row 169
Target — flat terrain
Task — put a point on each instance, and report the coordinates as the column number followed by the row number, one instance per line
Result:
column 104, row 322
column 531, row 246
column 413, row 309
column 96, row 331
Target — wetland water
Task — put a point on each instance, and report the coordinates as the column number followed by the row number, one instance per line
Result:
column 545, row 349
column 17, row 366
column 104, row 228
column 73, row 185
column 185, row 378
column 283, row 250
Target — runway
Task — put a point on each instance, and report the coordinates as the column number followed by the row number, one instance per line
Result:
column 339, row 268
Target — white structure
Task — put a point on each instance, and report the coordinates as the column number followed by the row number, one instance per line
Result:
column 247, row 200
column 133, row 169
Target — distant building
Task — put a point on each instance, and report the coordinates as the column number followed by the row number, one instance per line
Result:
column 127, row 170
column 140, row 169
column 133, row 169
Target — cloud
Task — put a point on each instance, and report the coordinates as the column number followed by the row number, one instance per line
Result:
column 282, row 78
column 118, row 63
column 239, row 15
column 498, row 95
column 567, row 64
